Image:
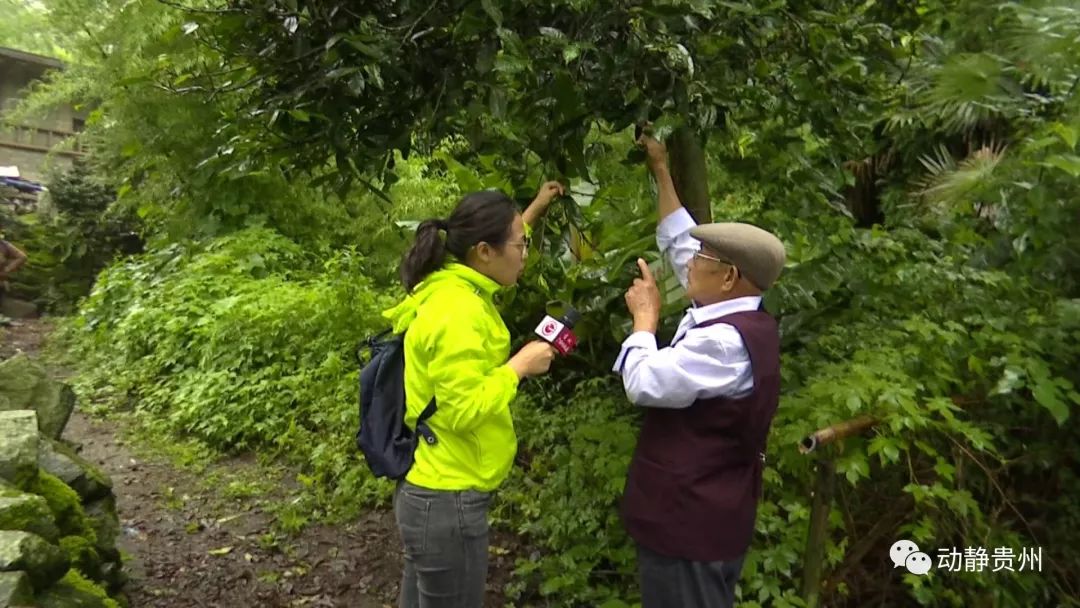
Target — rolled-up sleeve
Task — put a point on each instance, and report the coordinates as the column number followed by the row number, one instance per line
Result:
column 700, row 366
column 674, row 241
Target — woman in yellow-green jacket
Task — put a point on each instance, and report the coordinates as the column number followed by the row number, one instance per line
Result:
column 457, row 349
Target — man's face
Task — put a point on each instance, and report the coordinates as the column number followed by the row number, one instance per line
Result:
column 710, row 278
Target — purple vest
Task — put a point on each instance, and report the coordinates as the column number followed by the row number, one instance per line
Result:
column 695, row 478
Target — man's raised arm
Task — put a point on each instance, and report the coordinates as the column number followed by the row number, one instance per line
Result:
column 673, row 220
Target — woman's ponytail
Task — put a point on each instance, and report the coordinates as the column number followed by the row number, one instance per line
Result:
column 426, row 255
column 484, row 216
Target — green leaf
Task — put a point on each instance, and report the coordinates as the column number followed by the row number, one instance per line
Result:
column 493, row 12
column 1069, row 163
column 300, row 115
column 1066, row 132
column 854, row 403
column 342, row 71
column 1048, row 396
column 570, row 53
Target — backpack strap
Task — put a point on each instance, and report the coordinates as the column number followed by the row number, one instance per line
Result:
column 422, row 428
column 369, row 343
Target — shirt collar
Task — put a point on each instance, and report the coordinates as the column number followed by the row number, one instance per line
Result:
column 702, row 314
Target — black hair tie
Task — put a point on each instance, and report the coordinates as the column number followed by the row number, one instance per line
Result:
column 442, row 225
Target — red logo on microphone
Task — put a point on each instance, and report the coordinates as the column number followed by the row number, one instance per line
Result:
column 549, row 329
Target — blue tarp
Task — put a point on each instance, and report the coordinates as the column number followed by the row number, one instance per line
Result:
column 22, row 185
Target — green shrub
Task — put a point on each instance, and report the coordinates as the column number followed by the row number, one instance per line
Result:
column 245, row 344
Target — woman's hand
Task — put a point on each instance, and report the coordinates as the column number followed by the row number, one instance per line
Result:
column 540, row 203
column 533, row 359
column 548, row 192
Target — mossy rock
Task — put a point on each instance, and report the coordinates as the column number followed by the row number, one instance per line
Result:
column 106, row 525
column 114, row 578
column 18, row 309
column 65, row 505
column 53, row 401
column 74, row 591
column 82, row 476
column 19, row 447
column 29, row 513
column 15, row 589
column 19, row 376
column 82, row 556
column 25, row 384
column 43, row 563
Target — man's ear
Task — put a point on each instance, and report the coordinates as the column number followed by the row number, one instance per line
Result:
column 731, row 277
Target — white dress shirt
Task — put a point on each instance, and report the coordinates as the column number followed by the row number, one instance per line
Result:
column 702, row 362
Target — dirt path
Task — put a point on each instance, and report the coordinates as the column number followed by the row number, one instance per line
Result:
column 206, row 538
column 192, row 546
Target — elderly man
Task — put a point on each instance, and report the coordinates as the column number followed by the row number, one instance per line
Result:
column 695, row 479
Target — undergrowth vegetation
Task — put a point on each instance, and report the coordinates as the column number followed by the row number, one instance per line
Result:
column 920, row 163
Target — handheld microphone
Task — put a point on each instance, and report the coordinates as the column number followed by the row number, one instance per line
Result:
column 560, row 332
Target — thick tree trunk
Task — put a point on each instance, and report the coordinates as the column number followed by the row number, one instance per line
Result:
column 689, row 173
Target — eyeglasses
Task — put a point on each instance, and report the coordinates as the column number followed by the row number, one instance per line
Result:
column 705, row 256
column 523, row 245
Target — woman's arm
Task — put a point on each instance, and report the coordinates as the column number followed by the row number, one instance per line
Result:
column 538, row 207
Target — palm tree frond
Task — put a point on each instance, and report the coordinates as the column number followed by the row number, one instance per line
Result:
column 948, row 182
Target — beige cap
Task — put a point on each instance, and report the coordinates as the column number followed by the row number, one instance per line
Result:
column 757, row 253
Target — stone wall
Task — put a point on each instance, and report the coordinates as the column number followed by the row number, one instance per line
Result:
column 58, row 522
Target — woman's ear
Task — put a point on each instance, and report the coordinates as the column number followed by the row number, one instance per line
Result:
column 484, row 251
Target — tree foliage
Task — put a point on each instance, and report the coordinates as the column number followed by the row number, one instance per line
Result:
column 919, row 159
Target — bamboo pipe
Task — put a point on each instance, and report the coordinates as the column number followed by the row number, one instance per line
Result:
column 839, row 430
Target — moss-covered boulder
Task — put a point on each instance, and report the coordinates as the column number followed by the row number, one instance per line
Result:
column 53, row 401
column 18, row 309
column 25, row 384
column 65, row 505
column 106, row 525
column 27, row 512
column 44, row 563
column 15, row 589
column 19, row 376
column 18, row 447
column 74, row 591
column 82, row 476
column 83, row 556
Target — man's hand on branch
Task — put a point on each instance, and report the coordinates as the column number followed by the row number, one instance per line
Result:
column 655, row 151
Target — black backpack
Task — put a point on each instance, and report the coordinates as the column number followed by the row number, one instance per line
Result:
column 387, row 443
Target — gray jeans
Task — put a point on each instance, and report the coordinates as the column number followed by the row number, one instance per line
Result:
column 445, row 536
column 667, row 582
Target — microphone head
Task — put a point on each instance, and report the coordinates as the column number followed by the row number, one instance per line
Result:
column 570, row 316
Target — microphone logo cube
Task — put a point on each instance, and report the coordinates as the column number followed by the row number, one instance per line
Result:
column 549, row 329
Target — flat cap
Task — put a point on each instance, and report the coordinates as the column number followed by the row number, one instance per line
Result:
column 757, row 253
